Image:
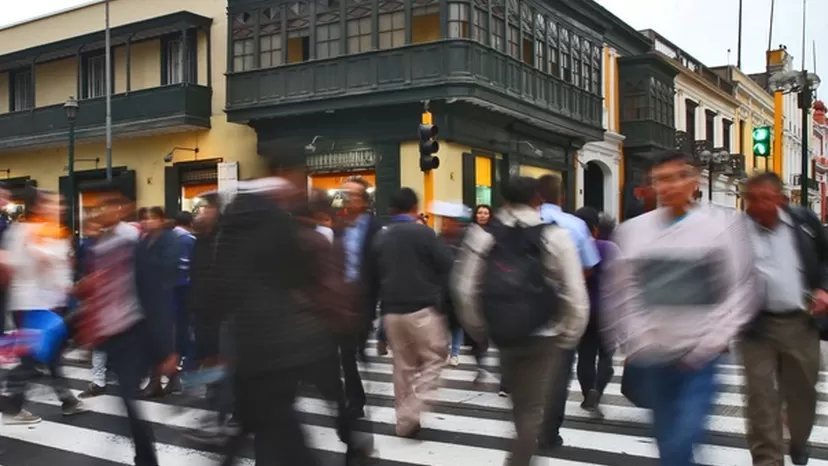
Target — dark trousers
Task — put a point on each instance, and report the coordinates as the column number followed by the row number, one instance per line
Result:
column 24, row 373
column 557, row 395
column 183, row 341
column 128, row 361
column 265, row 408
column 594, row 362
column 354, row 392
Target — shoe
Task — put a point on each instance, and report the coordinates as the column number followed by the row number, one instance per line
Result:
column 152, row 390
column 799, row 455
column 413, row 432
column 72, row 407
column 454, row 361
column 552, row 444
column 23, row 418
column 173, row 386
column 480, row 377
column 382, row 348
column 502, row 394
column 214, row 435
column 590, row 402
column 92, row 391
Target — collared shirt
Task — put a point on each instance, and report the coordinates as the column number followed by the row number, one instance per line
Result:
column 577, row 228
column 779, row 265
column 354, row 242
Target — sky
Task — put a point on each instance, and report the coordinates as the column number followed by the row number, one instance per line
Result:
column 706, row 29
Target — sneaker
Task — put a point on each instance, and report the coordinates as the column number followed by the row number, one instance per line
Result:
column 72, row 407
column 454, row 361
column 92, row 391
column 213, row 435
column 21, row 419
column 502, row 394
column 382, row 348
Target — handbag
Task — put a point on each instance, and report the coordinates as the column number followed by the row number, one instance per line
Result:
column 50, row 333
column 635, row 385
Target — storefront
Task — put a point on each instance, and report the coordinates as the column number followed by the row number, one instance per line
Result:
column 16, row 187
column 480, row 178
column 92, row 185
column 328, row 172
column 186, row 182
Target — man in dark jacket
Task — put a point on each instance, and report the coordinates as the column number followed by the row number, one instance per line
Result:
column 412, row 265
column 263, row 271
column 781, row 349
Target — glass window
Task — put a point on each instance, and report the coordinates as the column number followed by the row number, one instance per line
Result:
column 552, row 39
column 576, row 60
column 95, row 77
column 597, row 59
column 327, row 41
column 358, row 29
column 392, row 30
column 270, row 38
column 480, row 21
column 458, row 20
column 23, row 89
column 498, row 33
column 566, row 72
column 298, row 29
column 243, row 58
column 514, row 44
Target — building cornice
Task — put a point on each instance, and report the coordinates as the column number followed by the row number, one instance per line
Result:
column 60, row 12
column 708, row 87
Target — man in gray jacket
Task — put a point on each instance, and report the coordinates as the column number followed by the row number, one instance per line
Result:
column 529, row 367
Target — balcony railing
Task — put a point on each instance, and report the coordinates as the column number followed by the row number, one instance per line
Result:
column 648, row 133
column 146, row 109
column 461, row 67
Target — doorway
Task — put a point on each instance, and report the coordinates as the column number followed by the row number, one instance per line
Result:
column 594, row 186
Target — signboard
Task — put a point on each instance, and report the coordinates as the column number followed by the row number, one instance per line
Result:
column 342, row 161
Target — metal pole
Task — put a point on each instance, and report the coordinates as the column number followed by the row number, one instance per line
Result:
column 739, row 44
column 108, row 99
column 805, row 106
column 710, row 181
column 71, row 195
column 770, row 26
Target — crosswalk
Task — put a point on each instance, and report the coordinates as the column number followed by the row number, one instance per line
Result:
column 469, row 425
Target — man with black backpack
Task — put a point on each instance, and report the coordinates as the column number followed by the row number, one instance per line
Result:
column 521, row 286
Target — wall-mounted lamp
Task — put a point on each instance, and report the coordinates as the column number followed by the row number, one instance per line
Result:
column 169, row 157
column 311, row 147
column 535, row 150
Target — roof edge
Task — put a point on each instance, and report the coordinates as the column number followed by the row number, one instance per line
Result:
column 62, row 11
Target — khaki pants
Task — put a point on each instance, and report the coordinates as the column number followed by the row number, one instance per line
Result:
column 529, row 369
column 419, row 345
column 784, row 351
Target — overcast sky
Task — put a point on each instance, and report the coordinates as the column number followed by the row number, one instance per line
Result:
column 706, row 29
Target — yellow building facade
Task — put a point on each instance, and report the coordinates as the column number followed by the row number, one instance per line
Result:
column 168, row 65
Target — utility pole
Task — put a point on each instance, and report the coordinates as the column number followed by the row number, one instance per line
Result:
column 739, row 45
column 805, row 99
column 108, row 46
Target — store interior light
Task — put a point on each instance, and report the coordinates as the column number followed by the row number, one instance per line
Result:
column 371, row 190
column 332, row 192
column 11, row 207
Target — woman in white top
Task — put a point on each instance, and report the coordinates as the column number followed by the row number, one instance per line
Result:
column 37, row 256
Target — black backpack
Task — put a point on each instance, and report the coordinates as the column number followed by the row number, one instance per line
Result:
column 516, row 299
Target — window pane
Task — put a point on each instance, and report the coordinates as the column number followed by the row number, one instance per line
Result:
column 264, row 60
column 385, row 41
column 322, row 33
column 238, row 64
column 248, row 62
column 385, row 22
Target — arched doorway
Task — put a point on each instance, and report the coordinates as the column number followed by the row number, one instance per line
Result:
column 594, row 186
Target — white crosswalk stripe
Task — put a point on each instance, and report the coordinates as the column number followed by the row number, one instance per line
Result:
column 469, row 425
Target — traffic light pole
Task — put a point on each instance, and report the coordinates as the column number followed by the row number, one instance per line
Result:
column 428, row 177
column 805, row 106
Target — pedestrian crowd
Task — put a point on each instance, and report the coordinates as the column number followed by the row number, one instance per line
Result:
column 258, row 296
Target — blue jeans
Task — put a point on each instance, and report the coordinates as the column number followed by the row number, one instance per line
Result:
column 456, row 341
column 381, row 332
column 682, row 400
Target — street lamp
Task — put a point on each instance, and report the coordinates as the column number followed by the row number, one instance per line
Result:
column 71, row 107
column 711, row 159
column 805, row 84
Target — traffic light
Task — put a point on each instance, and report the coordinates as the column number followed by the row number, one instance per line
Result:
column 428, row 144
column 762, row 141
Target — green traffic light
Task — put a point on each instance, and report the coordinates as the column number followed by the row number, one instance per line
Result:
column 760, row 149
column 761, row 134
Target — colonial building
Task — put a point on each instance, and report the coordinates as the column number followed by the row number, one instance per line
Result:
column 600, row 169
column 819, row 147
column 514, row 87
column 705, row 112
column 170, row 134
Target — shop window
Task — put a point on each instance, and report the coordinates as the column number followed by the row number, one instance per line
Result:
column 483, row 180
column 480, row 21
column 392, row 30
column 552, row 38
column 243, row 50
column 425, row 22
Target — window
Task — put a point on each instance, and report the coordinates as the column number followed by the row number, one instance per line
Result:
column 552, row 38
column 690, row 120
column 270, row 38
column 392, row 30
column 180, row 62
column 298, row 26
column 358, row 30
column 635, row 108
column 526, row 18
column 710, row 126
column 726, row 134
column 512, row 29
column 480, row 21
column 95, row 76
column 576, row 60
column 540, row 43
column 597, row 59
column 566, row 72
column 425, row 21
column 498, row 27
column 458, row 20
column 741, row 137
column 22, row 90
column 243, row 58
column 514, row 41
column 328, row 32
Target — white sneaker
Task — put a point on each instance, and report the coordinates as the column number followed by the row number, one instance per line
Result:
column 454, row 361
column 22, row 418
